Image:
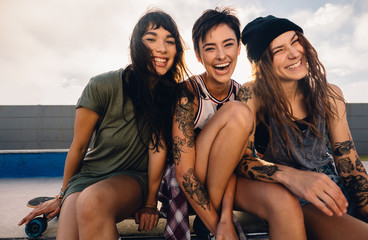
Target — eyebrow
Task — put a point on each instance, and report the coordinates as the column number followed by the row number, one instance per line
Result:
column 225, row 41
column 272, row 49
column 155, row 34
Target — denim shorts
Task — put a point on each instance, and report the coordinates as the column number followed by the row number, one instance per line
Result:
column 330, row 170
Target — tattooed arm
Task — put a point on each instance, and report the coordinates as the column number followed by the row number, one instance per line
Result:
column 184, row 157
column 249, row 166
column 348, row 164
column 314, row 187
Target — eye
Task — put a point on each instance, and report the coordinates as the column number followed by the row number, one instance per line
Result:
column 207, row 49
column 295, row 41
column 229, row 44
column 149, row 39
column 171, row 42
column 277, row 51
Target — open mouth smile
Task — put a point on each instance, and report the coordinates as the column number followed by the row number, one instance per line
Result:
column 295, row 65
column 222, row 67
column 160, row 61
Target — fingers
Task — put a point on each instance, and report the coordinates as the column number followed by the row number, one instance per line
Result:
column 53, row 214
column 51, row 206
column 148, row 220
column 28, row 218
column 329, row 198
column 136, row 217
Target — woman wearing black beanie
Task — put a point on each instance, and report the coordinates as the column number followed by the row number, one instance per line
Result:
column 302, row 138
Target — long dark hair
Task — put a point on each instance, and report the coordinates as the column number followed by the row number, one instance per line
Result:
column 314, row 88
column 155, row 105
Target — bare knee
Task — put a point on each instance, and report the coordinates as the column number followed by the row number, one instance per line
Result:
column 88, row 206
column 281, row 202
column 239, row 115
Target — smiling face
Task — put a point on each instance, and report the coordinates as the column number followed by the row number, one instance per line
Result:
column 163, row 48
column 289, row 61
column 218, row 52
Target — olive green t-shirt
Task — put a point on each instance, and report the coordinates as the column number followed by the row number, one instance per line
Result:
column 116, row 145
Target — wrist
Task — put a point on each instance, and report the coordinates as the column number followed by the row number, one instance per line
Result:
column 282, row 176
column 60, row 195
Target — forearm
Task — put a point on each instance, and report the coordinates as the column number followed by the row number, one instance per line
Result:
column 72, row 163
column 355, row 179
column 257, row 169
column 156, row 167
column 198, row 198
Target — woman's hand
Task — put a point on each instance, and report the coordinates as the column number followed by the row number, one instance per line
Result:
column 51, row 208
column 318, row 189
column 147, row 218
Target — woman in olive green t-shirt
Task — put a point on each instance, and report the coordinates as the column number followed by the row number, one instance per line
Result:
column 128, row 113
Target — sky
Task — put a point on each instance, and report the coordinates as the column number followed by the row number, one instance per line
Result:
column 49, row 49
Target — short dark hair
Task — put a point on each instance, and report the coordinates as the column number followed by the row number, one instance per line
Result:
column 211, row 19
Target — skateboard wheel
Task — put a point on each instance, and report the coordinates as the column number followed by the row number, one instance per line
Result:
column 36, row 227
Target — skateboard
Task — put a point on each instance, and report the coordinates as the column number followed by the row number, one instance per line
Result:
column 37, row 225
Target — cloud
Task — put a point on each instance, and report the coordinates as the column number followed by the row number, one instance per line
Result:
column 50, row 49
column 360, row 37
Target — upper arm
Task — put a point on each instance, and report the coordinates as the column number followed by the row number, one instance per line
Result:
column 247, row 96
column 85, row 122
column 339, row 132
column 183, row 134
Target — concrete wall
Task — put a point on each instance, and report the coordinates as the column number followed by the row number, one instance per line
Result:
column 51, row 127
column 36, row 127
column 357, row 114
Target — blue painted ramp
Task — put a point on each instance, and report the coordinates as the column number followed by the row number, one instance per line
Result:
column 32, row 163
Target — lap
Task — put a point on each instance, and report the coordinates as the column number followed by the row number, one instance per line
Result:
column 120, row 195
column 261, row 198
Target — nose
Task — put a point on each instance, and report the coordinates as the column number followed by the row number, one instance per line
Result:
column 220, row 54
column 161, row 46
column 293, row 52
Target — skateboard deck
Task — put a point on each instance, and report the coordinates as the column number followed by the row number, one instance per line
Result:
column 38, row 224
column 34, row 202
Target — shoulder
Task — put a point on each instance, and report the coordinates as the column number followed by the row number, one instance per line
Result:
column 107, row 77
column 336, row 89
column 246, row 95
column 246, row 92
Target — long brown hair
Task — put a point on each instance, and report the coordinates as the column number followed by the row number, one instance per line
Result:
column 155, row 106
column 314, row 88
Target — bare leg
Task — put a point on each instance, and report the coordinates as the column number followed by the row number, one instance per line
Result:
column 220, row 146
column 321, row 226
column 103, row 204
column 225, row 227
column 67, row 226
column 275, row 204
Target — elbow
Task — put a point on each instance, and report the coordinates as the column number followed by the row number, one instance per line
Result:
column 78, row 147
column 179, row 175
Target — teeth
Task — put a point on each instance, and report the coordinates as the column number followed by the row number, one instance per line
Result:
column 160, row 60
column 295, row 65
column 222, row 65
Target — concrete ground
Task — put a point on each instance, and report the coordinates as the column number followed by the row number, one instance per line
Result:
column 14, row 194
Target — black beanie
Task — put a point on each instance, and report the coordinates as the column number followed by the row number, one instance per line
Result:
column 259, row 33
